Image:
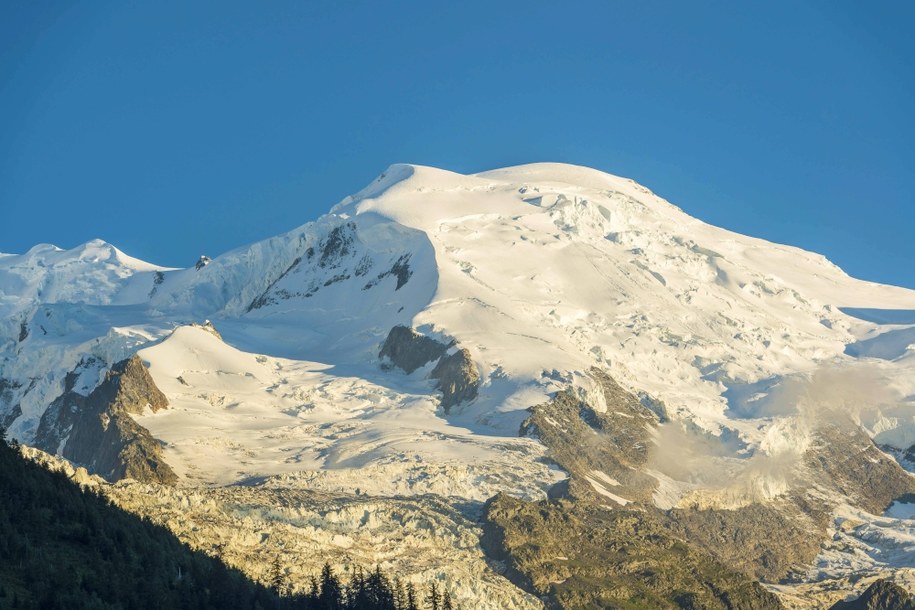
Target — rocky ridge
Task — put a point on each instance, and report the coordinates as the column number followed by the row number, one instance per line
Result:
column 98, row 431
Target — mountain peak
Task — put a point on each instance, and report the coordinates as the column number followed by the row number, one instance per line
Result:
column 552, row 172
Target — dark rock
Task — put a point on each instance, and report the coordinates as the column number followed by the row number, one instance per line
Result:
column 457, row 377
column 655, row 406
column 202, row 262
column 365, row 263
column 340, row 277
column 209, row 327
column 767, row 542
column 338, row 244
column 9, row 405
column 157, row 281
column 845, row 459
column 881, row 595
column 581, row 439
column 264, row 298
column 575, row 555
column 23, row 332
column 98, row 432
column 779, row 539
column 409, row 350
column 400, row 269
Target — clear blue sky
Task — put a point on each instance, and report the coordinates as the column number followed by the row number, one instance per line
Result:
column 174, row 129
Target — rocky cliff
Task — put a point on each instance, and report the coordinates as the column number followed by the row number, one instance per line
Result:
column 98, row 432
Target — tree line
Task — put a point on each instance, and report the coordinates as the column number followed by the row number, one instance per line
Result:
column 364, row 591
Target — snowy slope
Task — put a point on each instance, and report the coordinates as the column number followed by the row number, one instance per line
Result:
column 540, row 271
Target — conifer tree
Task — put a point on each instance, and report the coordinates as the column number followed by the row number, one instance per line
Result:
column 331, row 596
column 278, row 580
column 400, row 595
column 434, row 599
column 412, row 603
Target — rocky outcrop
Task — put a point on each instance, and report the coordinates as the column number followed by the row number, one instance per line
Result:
column 457, row 376
column 574, row 555
column 767, row 542
column 337, row 258
column 409, row 350
column 209, row 327
column 9, row 407
column 882, row 595
column 98, row 432
column 400, row 270
column 602, row 449
column 844, row 460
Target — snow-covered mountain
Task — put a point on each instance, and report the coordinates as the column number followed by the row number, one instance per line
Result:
column 519, row 284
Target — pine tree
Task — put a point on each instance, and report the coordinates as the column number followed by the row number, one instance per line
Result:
column 357, row 594
column 411, row 597
column 380, row 591
column 278, row 581
column 434, row 599
column 446, row 602
column 331, row 596
column 400, row 595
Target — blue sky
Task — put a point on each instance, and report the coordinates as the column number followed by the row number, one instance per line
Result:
column 174, row 129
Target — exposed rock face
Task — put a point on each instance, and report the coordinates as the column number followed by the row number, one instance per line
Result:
column 457, row 376
column 264, row 298
column 606, row 452
column 400, row 270
column 9, row 409
column 780, row 539
column 579, row 556
column 339, row 243
column 763, row 541
column 613, row 442
column 882, row 595
column 98, row 432
column 846, row 461
column 129, row 387
column 409, row 350
column 209, row 327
